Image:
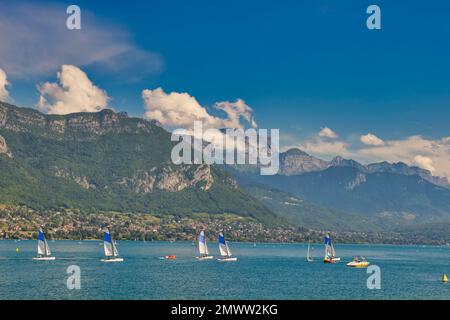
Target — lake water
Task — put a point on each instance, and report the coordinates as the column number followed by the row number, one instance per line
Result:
column 267, row 271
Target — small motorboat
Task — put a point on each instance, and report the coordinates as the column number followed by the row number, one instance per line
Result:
column 358, row 263
column 170, row 257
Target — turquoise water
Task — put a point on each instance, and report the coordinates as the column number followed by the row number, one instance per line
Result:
column 267, row 271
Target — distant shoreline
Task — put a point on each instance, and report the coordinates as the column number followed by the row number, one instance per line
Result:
column 250, row 243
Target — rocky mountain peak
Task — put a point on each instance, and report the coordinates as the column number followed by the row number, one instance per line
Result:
column 295, row 161
column 341, row 162
column 4, row 149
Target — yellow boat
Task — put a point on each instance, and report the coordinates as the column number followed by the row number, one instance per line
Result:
column 357, row 263
column 444, row 278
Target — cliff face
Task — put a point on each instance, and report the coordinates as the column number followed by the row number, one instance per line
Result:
column 106, row 160
column 106, row 121
column 4, row 147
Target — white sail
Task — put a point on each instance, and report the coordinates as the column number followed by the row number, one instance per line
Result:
column 228, row 249
column 202, row 247
column 206, row 248
column 223, row 246
column 108, row 246
column 308, row 255
column 223, row 250
column 115, row 251
column 47, row 249
column 41, row 248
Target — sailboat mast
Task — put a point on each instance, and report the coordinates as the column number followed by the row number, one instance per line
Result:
column 45, row 246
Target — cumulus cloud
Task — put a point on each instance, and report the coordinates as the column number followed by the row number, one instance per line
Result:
column 414, row 150
column 328, row 133
column 371, row 140
column 35, row 41
column 74, row 92
column 326, row 149
column 424, row 162
column 4, row 94
column 176, row 109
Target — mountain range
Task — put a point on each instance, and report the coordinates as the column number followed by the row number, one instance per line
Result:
column 295, row 162
column 386, row 195
column 108, row 161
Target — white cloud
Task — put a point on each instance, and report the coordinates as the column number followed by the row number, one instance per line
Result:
column 4, row 94
column 328, row 133
column 424, row 162
column 35, row 41
column 181, row 110
column 414, row 150
column 371, row 140
column 74, row 93
column 321, row 148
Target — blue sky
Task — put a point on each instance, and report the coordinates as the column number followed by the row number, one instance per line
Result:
column 300, row 65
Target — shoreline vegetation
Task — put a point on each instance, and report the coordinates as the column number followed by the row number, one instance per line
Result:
column 18, row 222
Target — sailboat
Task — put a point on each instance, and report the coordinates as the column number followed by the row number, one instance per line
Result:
column 225, row 250
column 43, row 249
column 203, row 247
column 309, row 257
column 330, row 254
column 110, row 248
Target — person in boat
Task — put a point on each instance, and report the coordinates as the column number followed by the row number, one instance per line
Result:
column 355, row 259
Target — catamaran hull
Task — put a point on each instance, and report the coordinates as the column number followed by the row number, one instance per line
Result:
column 332, row 260
column 44, row 258
column 227, row 259
column 112, row 260
column 205, row 258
